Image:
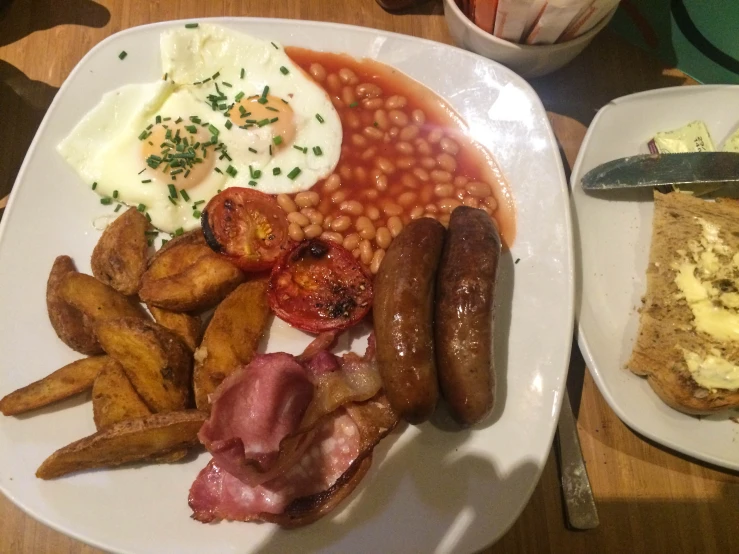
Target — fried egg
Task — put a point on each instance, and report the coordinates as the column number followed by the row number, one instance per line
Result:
column 232, row 110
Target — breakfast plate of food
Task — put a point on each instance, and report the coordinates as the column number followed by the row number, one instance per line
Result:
column 249, row 273
column 656, row 277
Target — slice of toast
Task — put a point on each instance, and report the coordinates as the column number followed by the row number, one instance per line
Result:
column 684, row 229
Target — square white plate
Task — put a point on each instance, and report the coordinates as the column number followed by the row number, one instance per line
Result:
column 429, row 489
column 612, row 238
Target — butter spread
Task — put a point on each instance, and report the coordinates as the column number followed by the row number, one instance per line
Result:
column 707, row 275
column 713, row 371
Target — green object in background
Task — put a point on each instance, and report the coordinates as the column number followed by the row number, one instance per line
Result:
column 699, row 37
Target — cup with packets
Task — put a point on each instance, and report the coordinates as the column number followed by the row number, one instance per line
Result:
column 532, row 37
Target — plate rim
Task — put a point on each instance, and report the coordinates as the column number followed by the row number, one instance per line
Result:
column 582, row 333
column 508, row 75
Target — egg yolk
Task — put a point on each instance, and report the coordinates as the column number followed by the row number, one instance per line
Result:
column 268, row 111
column 176, row 155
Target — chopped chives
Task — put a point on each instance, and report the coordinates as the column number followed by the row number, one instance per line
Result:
column 243, row 72
column 270, row 149
column 141, row 208
column 277, row 140
column 151, row 233
column 222, row 106
column 273, row 44
column 158, row 119
column 107, row 200
column 262, row 100
column 178, row 120
column 122, row 55
column 196, row 204
column 317, row 151
column 140, row 172
column 164, row 241
column 294, row 173
column 299, row 148
column 225, row 84
column 276, row 171
column 354, row 104
column 319, row 118
column 231, row 170
column 283, row 101
column 257, row 173
column 146, row 181
column 252, row 150
column 265, row 91
column 148, row 217
column 166, row 119
column 115, row 194
column 94, row 185
column 118, row 207
column 191, row 129
column 274, row 119
column 228, row 124
column 238, row 97
column 172, row 200
column 215, row 76
column 150, row 126
column 172, row 191
column 165, row 76
column 218, row 171
column 196, row 214
column 252, row 183
column 185, row 196
column 194, row 119
column 270, row 108
column 284, row 70
column 213, row 130
column 172, row 174
column 179, row 231
column 191, row 25
column 186, row 174
column 144, row 134
column 263, row 122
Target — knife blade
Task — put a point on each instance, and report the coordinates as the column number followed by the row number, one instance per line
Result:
column 650, row 170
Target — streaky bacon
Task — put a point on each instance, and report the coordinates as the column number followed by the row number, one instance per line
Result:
column 327, row 472
column 323, row 342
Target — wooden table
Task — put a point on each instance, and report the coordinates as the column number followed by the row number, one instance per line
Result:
column 650, row 500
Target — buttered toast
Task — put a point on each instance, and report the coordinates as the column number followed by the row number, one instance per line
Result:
column 688, row 341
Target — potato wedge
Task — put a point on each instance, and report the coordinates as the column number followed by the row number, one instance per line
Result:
column 232, row 337
column 188, row 276
column 64, row 382
column 136, row 440
column 156, row 361
column 114, row 399
column 187, row 327
column 70, row 325
column 119, row 257
column 195, row 236
column 97, row 300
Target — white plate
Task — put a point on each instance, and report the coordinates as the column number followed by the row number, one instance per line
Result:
column 429, row 489
column 613, row 234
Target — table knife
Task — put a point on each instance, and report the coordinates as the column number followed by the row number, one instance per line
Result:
column 650, row 170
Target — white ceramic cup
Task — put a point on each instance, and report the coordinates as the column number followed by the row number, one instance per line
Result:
column 526, row 60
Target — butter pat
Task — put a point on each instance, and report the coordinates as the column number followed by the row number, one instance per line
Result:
column 713, row 371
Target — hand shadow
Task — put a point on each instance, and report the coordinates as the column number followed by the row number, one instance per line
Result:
column 23, row 17
column 22, row 107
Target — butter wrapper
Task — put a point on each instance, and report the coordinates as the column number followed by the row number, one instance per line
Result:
column 693, row 137
column 511, row 18
column 731, row 144
column 554, row 19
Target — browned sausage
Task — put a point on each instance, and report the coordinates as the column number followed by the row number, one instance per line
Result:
column 464, row 314
column 403, row 316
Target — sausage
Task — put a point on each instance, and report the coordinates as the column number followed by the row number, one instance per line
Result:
column 403, row 317
column 464, row 314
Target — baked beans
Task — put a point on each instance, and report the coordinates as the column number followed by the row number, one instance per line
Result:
column 401, row 159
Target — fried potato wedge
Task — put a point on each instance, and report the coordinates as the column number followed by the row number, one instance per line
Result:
column 64, row 382
column 114, row 399
column 156, row 361
column 96, row 300
column 232, row 337
column 136, row 440
column 71, row 326
column 187, row 327
column 188, row 276
column 119, row 258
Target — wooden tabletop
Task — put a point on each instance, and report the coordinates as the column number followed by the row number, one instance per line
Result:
column 649, row 499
